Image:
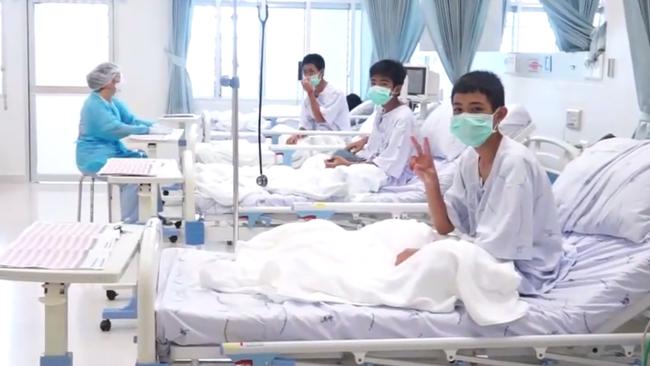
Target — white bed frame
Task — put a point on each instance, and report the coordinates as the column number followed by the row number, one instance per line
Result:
column 554, row 163
column 349, row 214
column 602, row 348
column 207, row 134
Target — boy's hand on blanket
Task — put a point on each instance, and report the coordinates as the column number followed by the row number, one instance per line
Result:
column 358, row 145
column 406, row 254
column 335, row 161
column 293, row 139
column 422, row 163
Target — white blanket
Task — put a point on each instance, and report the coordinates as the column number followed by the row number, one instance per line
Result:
column 318, row 261
column 221, row 152
column 312, row 181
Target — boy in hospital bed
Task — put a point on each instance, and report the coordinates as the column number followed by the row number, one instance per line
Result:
column 501, row 197
column 388, row 146
column 325, row 107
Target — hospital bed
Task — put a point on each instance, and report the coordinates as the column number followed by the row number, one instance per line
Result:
column 217, row 124
column 576, row 323
column 263, row 211
column 554, row 154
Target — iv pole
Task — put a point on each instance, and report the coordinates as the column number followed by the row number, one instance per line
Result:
column 233, row 83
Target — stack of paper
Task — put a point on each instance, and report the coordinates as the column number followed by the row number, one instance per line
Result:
column 61, row 246
column 130, row 167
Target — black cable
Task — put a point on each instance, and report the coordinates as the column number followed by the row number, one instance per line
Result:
column 262, row 180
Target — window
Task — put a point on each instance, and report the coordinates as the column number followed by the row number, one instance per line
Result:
column 527, row 29
column 293, row 29
column 60, row 30
column 201, row 57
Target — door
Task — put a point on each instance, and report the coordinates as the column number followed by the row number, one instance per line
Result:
column 68, row 38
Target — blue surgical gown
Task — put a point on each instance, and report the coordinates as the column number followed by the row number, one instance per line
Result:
column 102, row 126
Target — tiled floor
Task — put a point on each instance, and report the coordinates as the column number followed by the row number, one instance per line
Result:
column 21, row 314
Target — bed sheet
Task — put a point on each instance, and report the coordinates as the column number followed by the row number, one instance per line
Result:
column 412, row 192
column 610, row 275
column 206, row 206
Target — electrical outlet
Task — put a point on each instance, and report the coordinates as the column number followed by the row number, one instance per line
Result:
column 573, row 118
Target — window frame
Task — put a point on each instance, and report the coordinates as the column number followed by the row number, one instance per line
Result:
column 34, row 89
column 516, row 7
column 350, row 6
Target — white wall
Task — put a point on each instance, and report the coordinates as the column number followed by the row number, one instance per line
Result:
column 609, row 105
column 13, row 121
column 142, row 29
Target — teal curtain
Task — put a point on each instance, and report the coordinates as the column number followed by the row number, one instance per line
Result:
column 396, row 27
column 180, row 99
column 572, row 22
column 456, row 28
column 637, row 20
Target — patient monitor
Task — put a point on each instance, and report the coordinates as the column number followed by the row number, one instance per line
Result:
column 421, row 87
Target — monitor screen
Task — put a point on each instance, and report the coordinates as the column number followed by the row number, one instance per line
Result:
column 417, row 78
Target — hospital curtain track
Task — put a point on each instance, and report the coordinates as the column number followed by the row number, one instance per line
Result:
column 180, row 98
column 456, row 28
column 637, row 13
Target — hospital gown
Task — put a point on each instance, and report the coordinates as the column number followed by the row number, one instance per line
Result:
column 333, row 106
column 103, row 124
column 389, row 145
column 512, row 215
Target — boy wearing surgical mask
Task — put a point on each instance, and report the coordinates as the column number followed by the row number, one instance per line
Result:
column 388, row 145
column 501, row 197
column 325, row 108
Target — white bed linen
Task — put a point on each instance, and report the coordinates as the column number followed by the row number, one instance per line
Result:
column 311, row 181
column 611, row 274
column 318, row 261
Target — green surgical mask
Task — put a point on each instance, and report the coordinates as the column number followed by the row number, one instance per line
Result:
column 379, row 95
column 314, row 80
column 472, row 129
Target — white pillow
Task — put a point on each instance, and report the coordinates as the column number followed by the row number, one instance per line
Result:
column 516, row 120
column 445, row 146
column 436, row 128
column 606, row 191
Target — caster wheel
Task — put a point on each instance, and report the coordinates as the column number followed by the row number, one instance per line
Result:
column 105, row 325
column 178, row 224
column 165, row 193
column 173, row 238
column 111, row 295
column 229, row 242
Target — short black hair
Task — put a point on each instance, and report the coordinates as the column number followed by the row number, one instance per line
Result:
column 394, row 70
column 353, row 101
column 484, row 82
column 314, row 59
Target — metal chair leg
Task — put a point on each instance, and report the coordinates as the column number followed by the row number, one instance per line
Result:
column 110, row 201
column 80, row 196
column 92, row 199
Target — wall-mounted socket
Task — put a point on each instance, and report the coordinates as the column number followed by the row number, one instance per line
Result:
column 574, row 119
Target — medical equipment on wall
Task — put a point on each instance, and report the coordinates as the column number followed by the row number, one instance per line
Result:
column 263, row 16
column 421, row 87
